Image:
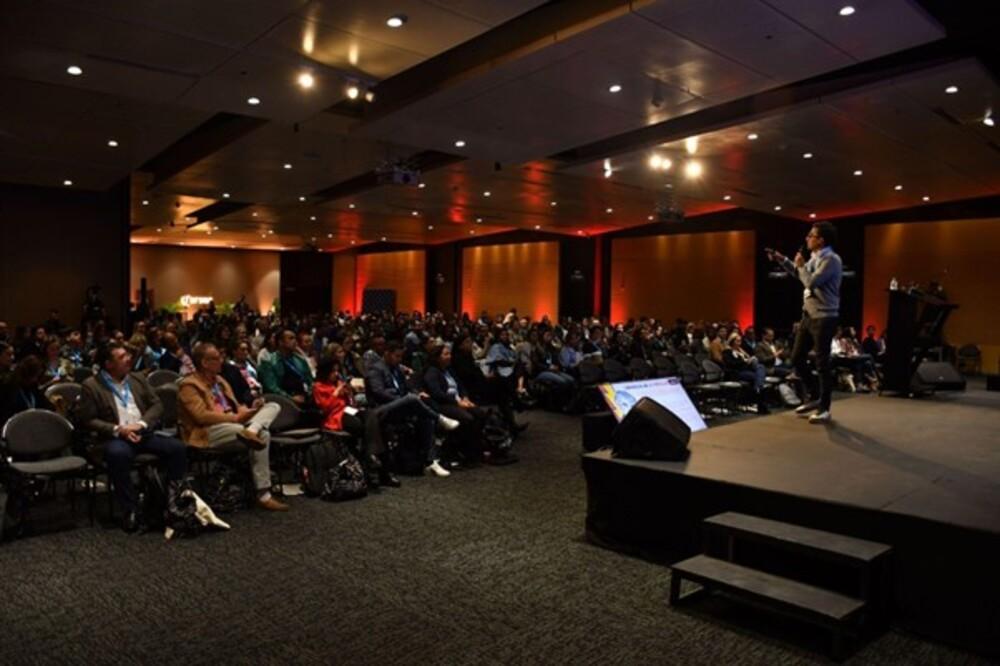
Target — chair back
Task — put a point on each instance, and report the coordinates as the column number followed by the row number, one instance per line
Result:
column 66, row 393
column 37, row 433
column 81, row 374
column 713, row 373
column 289, row 416
column 688, row 369
column 167, row 393
column 640, row 369
column 665, row 366
column 590, row 373
column 614, row 371
column 159, row 378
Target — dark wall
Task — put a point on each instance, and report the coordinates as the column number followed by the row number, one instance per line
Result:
column 576, row 277
column 306, row 284
column 443, row 277
column 56, row 242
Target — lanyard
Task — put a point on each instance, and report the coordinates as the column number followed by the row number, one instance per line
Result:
column 29, row 398
column 125, row 396
column 220, row 397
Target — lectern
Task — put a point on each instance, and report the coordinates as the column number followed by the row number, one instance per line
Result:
column 916, row 320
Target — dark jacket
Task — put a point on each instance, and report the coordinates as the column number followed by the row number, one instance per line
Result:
column 14, row 400
column 735, row 363
column 436, row 385
column 97, row 412
column 465, row 369
column 384, row 384
column 234, row 377
column 169, row 362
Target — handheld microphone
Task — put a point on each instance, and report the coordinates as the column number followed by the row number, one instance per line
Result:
column 804, row 251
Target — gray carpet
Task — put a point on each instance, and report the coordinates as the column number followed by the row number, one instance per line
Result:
column 488, row 566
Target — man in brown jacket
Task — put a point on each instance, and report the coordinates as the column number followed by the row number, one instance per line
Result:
column 209, row 416
column 123, row 411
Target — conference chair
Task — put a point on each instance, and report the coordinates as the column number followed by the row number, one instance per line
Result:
column 64, row 397
column 159, row 378
column 81, row 374
column 614, row 371
column 730, row 390
column 289, row 437
column 639, row 368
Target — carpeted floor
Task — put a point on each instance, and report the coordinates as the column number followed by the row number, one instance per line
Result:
column 488, row 566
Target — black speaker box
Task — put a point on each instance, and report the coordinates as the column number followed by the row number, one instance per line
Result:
column 650, row 431
column 597, row 429
column 993, row 382
column 937, row 376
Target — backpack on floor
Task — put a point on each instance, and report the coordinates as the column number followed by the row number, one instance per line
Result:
column 788, row 395
column 346, row 480
column 497, row 440
column 225, row 489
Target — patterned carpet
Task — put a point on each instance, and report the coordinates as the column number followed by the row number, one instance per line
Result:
column 486, row 567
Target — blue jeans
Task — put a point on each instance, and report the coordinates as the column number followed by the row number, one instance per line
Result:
column 119, row 455
column 755, row 376
column 555, row 379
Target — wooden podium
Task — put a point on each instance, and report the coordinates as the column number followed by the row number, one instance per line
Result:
column 915, row 323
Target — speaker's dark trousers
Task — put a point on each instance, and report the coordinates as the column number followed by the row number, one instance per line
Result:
column 816, row 335
column 119, row 455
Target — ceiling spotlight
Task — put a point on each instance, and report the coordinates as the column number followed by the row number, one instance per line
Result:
column 145, row 202
column 607, row 168
column 479, row 220
column 159, row 230
column 777, row 208
column 812, row 216
column 329, row 235
column 253, row 214
column 727, row 197
column 858, row 172
column 302, row 198
column 988, row 120
column 422, row 185
column 253, row 101
column 693, row 169
column 414, row 213
column 807, row 156
column 73, row 70
column 306, row 80
column 951, row 90
column 225, row 195
column 352, row 206
column 925, row 198
column 655, row 161
column 67, row 183
column 352, row 91
column 609, row 210
column 752, row 136
column 396, row 21
column 579, row 232
column 898, row 188
column 487, row 193
column 112, row 143
column 691, row 145
column 270, row 231
column 537, row 227
column 615, row 88
column 460, row 143
column 352, row 242
column 472, row 232
column 287, row 165
column 232, row 247
column 553, row 203
column 847, row 10
column 430, row 227
column 312, row 218
column 369, row 96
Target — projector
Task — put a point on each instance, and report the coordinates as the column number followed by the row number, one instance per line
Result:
column 397, row 172
column 668, row 210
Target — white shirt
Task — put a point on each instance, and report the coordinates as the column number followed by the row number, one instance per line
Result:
column 130, row 412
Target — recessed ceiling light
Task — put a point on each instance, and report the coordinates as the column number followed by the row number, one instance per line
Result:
column 112, row 143
column 649, row 217
column 777, row 208
column 369, row 95
column 225, row 195
column 460, row 143
column 988, row 120
column 422, row 185
column 537, row 227
column 352, row 206
column 553, row 203
column 67, row 182
column 329, row 235
column 479, row 220
column 691, row 145
column 232, row 247
column 898, row 188
column 472, row 231
column 312, row 218
column 253, row 101
column 579, row 232
column 807, row 156
column 858, row 172
column 159, row 230
column 414, row 213
column 287, row 165
column 609, row 210
column 752, row 136
column 396, row 21
column 145, row 202
column 487, row 193
column 925, row 198
column 846, row 10
column 254, row 214
column 383, row 237
column 951, row 90
column 430, row 227
column 727, row 197
column 302, row 198
column 73, row 70
column 352, row 91
column 270, row 231
column 615, row 88
column 692, row 169
column 812, row 216
column 306, row 80
column 352, row 242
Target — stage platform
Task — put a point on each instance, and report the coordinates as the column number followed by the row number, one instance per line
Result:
column 922, row 475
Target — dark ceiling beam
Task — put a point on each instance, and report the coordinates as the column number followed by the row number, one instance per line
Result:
column 212, row 135
column 425, row 161
column 534, row 30
column 959, row 209
column 769, row 102
column 967, row 23
column 215, row 211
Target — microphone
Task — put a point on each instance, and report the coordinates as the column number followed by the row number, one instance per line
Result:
column 804, row 251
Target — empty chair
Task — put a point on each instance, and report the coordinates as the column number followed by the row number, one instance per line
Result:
column 64, row 396
column 167, row 394
column 159, row 378
column 640, row 369
column 614, row 371
column 665, row 366
column 289, row 438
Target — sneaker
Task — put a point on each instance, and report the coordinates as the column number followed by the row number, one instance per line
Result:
column 807, row 408
column 820, row 417
column 437, row 469
column 447, row 423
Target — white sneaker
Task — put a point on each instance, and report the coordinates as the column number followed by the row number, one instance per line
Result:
column 807, row 408
column 447, row 423
column 820, row 417
column 436, row 468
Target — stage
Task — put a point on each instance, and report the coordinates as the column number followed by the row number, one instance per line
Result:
column 922, row 475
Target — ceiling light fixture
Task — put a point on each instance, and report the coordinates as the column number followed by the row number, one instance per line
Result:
column 369, row 96
column 898, row 188
column 858, row 172
column 225, row 195
column 487, row 193
column 846, row 10
column 145, row 202
column 988, row 119
column 430, row 227
column 73, row 70
column 607, row 168
column 693, row 169
column 807, row 156
column 253, row 101
column 479, row 220
column 112, row 143
column 472, row 232
column 925, row 198
column 777, row 208
column 951, row 90
column 312, row 218
column 812, row 216
column 68, row 183
column 691, row 145
column 460, row 143
column 615, row 88
column 553, row 203
column 609, row 210
column 306, row 80
column 329, row 235
column 752, row 136
column 414, row 213
column 396, row 21
column 537, row 227
column 352, row 206
column 422, row 185
column 287, row 165
column 253, row 214
column 352, row 91
column 159, row 230
column 727, row 197
column 302, row 198
column 352, row 242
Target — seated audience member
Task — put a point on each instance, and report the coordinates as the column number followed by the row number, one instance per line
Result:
column 6, row 363
column 57, row 369
column 871, row 345
column 306, row 350
column 237, row 382
column 771, row 355
column 595, row 346
column 174, row 357
column 746, row 368
column 545, row 361
column 353, row 365
column 846, row 353
column 122, row 411
column 72, row 351
column 374, row 355
column 717, row 345
column 209, row 416
column 268, row 348
column 33, row 344
column 287, row 373
column 392, row 401
column 247, row 371
column 750, row 340
column 570, row 356
column 334, row 397
column 449, row 398
column 142, row 361
column 23, row 390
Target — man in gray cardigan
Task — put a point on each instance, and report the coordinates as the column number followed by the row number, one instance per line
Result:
column 820, row 276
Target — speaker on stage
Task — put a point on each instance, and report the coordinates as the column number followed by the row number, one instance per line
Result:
column 937, row 376
column 598, row 428
column 650, row 431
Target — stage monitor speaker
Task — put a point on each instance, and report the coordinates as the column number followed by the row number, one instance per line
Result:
column 650, row 431
column 937, row 376
column 993, row 382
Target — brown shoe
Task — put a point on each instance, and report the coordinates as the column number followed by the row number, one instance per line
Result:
column 251, row 439
column 271, row 504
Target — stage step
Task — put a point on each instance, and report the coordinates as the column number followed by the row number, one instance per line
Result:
column 825, row 545
column 823, row 607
